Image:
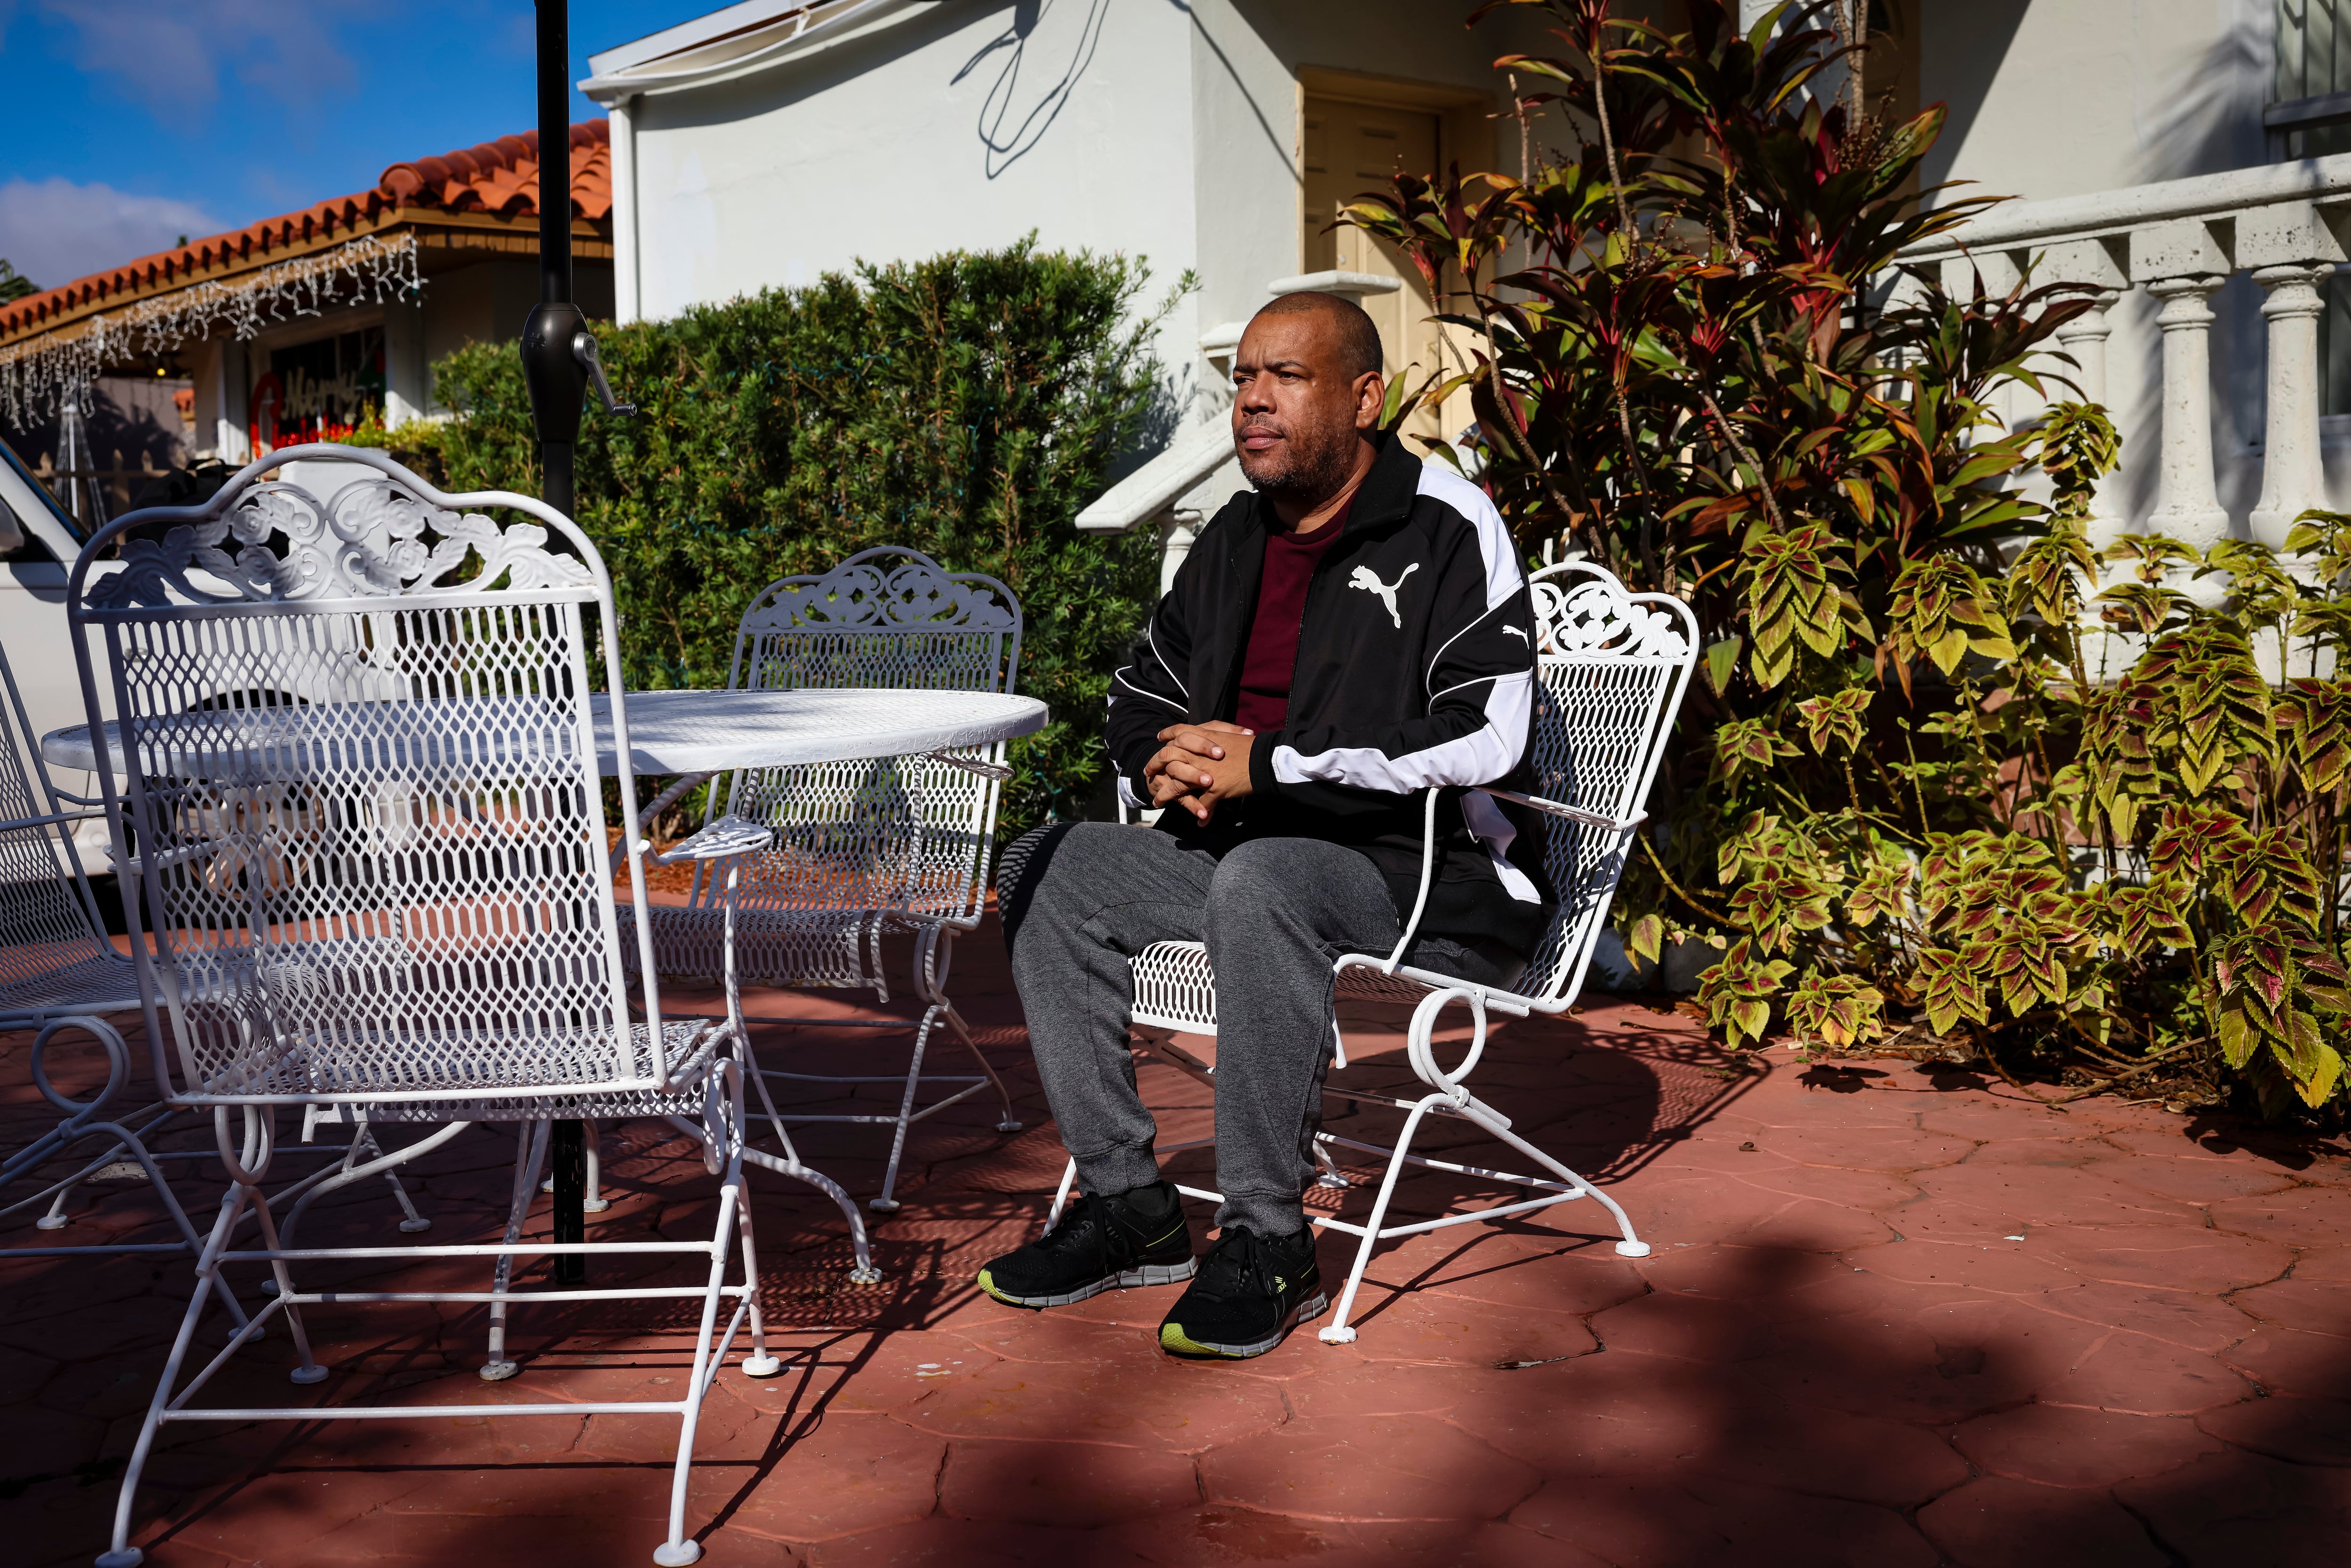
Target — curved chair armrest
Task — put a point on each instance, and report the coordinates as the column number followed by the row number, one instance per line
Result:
column 996, row 770
column 721, row 840
column 15, row 825
column 184, row 855
column 654, row 808
column 1573, row 813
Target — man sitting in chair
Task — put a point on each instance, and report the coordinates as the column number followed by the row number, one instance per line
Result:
column 1352, row 632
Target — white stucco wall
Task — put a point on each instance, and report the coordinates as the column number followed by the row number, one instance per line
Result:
column 944, row 127
column 1164, row 131
column 2091, row 95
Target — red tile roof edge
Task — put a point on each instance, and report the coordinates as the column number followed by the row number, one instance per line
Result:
column 498, row 177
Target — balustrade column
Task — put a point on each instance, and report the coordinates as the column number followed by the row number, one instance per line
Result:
column 2188, row 502
column 2084, row 338
column 2293, row 478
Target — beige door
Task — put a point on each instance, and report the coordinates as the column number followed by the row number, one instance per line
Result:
column 1349, row 148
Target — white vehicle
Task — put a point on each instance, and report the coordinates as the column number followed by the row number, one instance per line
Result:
column 40, row 541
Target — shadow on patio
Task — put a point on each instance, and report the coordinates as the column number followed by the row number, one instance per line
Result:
column 1895, row 1316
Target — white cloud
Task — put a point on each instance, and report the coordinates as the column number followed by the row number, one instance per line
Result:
column 171, row 53
column 54, row 231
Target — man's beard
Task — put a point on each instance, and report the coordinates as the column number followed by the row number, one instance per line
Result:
column 1302, row 469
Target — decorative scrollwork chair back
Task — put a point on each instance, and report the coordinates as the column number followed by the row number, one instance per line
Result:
column 904, row 838
column 1610, row 673
column 363, row 788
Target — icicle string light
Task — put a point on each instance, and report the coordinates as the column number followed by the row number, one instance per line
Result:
column 38, row 377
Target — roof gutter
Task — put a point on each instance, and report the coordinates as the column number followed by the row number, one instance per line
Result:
column 789, row 37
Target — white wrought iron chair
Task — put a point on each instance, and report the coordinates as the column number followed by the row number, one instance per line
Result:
column 386, row 887
column 1611, row 668
column 58, row 975
column 864, row 848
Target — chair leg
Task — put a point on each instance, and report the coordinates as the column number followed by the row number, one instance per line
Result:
column 888, row 1202
column 1631, row 1245
column 1337, row 1331
column 1062, row 1195
column 1011, row 1124
column 530, row 1152
column 934, row 961
column 122, row 1553
column 415, row 1223
column 678, row 1551
column 595, row 1202
column 306, row 1370
column 248, row 1169
column 57, row 1218
column 313, row 1187
column 125, row 1141
column 863, row 1273
column 760, row 1362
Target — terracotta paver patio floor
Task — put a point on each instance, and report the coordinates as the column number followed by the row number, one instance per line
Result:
column 1895, row 1316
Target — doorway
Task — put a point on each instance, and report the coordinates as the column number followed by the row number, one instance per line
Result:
column 1347, row 146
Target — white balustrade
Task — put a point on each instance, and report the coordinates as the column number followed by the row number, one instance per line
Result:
column 2178, row 244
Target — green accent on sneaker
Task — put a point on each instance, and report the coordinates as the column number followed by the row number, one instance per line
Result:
column 1172, row 1339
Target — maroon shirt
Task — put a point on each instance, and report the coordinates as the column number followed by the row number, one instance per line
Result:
column 1272, row 652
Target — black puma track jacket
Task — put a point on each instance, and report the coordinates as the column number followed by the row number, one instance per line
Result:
column 1415, row 667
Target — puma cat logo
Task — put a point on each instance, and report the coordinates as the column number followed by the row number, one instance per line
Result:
column 1369, row 582
column 1514, row 632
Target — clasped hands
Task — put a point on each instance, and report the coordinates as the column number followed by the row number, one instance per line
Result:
column 1200, row 765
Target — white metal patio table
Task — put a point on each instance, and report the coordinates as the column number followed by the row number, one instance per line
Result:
column 694, row 735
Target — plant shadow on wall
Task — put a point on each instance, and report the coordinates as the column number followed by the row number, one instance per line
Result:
column 1016, row 114
column 967, row 406
column 1951, row 779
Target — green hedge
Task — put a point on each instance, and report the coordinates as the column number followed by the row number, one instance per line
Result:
column 967, row 406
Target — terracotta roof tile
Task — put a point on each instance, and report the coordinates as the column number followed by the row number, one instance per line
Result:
column 499, row 177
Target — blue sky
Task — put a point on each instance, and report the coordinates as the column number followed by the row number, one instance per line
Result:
column 127, row 123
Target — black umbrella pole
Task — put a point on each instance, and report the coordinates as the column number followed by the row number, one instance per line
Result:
column 559, row 387
column 567, row 1151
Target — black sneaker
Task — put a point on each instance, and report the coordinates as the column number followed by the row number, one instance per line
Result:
column 1136, row 1238
column 1251, row 1290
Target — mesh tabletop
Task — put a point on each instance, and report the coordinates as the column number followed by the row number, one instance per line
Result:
column 669, row 732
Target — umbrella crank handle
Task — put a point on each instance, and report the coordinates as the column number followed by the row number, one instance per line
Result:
column 583, row 348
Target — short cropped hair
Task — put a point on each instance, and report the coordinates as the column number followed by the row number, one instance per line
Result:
column 1359, row 339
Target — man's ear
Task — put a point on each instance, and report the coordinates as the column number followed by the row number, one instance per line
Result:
column 1370, row 392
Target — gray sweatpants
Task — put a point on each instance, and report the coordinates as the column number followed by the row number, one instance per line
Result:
column 1081, row 899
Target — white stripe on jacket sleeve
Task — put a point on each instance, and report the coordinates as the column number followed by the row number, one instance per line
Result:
column 1482, row 756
